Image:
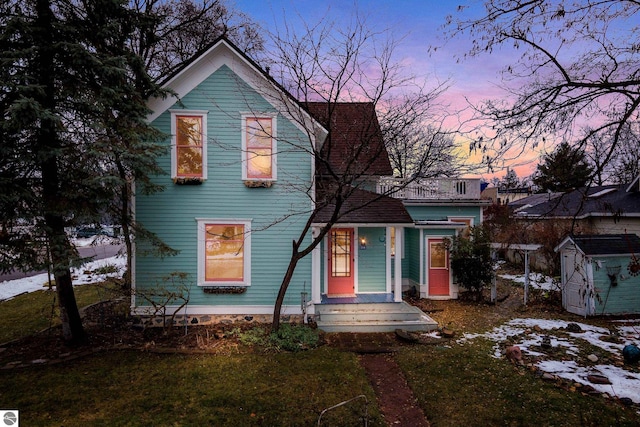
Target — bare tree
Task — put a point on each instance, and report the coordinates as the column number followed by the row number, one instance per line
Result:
column 340, row 72
column 579, row 63
column 183, row 28
column 417, row 144
column 624, row 164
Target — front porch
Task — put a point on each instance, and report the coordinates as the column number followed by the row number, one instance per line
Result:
column 370, row 313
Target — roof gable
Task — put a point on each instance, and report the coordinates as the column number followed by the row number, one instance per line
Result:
column 223, row 52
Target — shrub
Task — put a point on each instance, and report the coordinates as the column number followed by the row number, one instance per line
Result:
column 471, row 260
column 290, row 337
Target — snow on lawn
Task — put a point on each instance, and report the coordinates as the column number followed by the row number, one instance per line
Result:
column 530, row 332
column 81, row 276
column 536, row 280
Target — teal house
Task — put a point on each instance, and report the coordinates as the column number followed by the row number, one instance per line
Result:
column 241, row 182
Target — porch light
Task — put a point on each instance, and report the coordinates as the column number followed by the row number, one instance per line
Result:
column 363, row 243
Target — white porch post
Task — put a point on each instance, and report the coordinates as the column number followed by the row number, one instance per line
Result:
column 397, row 279
column 316, row 264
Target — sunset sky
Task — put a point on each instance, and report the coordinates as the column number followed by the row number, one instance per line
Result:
column 419, row 24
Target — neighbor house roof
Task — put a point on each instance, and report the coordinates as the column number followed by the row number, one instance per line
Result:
column 354, row 145
column 604, row 244
column 531, row 201
column 366, row 207
column 605, row 200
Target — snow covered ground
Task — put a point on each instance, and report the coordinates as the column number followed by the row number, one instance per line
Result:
column 536, row 281
column 566, row 361
column 81, row 276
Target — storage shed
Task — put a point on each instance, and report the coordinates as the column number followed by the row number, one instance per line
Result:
column 600, row 274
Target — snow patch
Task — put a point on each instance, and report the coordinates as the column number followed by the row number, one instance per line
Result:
column 81, row 276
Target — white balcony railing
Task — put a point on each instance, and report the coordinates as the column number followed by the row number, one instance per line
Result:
column 431, row 188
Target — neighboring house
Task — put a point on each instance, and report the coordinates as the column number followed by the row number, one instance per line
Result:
column 549, row 217
column 601, row 274
column 242, row 181
column 606, row 209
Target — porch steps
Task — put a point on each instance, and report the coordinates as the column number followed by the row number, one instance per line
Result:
column 373, row 317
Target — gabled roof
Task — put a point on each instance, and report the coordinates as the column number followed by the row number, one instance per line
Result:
column 605, row 200
column 223, row 52
column 604, row 244
column 355, row 145
column 366, row 207
column 532, row 200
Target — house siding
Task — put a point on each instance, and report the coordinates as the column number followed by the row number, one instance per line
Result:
column 411, row 261
column 439, row 213
column 224, row 196
column 371, row 261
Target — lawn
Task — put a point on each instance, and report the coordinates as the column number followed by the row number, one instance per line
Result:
column 141, row 389
column 35, row 311
column 455, row 384
column 462, row 385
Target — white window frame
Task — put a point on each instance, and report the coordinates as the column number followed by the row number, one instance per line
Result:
column 174, row 140
column 274, row 145
column 202, row 222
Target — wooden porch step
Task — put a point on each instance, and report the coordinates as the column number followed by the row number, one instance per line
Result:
column 383, row 317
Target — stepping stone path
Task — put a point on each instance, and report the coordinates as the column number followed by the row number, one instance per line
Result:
column 375, row 353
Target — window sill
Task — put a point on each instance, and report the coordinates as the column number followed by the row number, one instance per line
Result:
column 208, row 289
column 258, row 184
column 188, row 181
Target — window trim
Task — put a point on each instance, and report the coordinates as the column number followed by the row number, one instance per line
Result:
column 274, row 145
column 174, row 142
column 202, row 223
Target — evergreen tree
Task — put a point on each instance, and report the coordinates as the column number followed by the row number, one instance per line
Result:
column 73, row 104
column 564, row 169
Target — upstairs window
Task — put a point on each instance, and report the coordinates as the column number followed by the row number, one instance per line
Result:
column 188, row 148
column 259, row 148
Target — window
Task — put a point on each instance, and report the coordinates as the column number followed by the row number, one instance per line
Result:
column 224, row 253
column 189, row 148
column 259, row 148
column 438, row 255
column 392, row 236
column 465, row 232
column 341, row 257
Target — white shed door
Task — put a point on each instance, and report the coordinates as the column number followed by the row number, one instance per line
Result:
column 575, row 284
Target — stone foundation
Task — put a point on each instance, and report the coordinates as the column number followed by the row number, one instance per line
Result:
column 212, row 319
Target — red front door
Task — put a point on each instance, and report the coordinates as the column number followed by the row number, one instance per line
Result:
column 438, row 257
column 341, row 262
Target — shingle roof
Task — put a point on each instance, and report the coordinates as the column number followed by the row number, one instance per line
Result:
column 363, row 206
column 607, row 200
column 608, row 244
column 354, row 145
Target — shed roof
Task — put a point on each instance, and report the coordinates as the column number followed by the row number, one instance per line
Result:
column 604, row 244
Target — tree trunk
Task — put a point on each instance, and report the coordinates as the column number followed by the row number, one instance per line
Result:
column 125, row 219
column 286, row 280
column 47, row 145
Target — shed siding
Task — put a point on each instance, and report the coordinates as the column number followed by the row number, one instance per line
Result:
column 621, row 299
column 224, row 196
